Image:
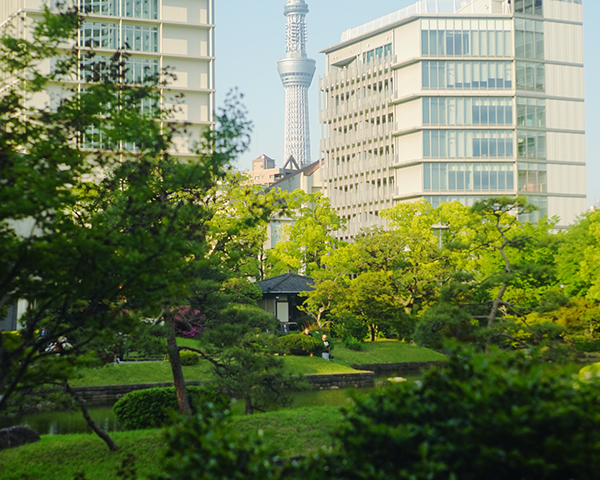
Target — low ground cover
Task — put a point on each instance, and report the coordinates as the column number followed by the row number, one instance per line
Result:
column 58, row 457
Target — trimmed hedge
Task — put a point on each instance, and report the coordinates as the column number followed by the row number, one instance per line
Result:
column 301, row 344
column 154, row 407
column 188, row 358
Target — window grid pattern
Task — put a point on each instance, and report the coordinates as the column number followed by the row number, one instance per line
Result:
column 458, row 111
column 532, row 177
column 531, row 76
column 468, row 144
column 487, row 38
column 147, row 9
column 100, row 7
column 529, row 7
column 467, row 75
column 531, row 144
column 531, row 112
column 379, row 53
column 140, row 38
column 468, row 200
column 136, row 70
column 529, row 38
column 140, row 9
column 141, row 70
column 469, row 177
column 100, row 35
column 541, row 202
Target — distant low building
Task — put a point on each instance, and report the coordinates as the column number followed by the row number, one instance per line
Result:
column 308, row 179
column 264, row 171
column 281, row 298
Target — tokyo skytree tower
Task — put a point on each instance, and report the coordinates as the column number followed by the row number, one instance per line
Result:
column 296, row 72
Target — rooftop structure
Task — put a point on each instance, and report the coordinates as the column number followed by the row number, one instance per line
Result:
column 264, row 171
column 296, row 71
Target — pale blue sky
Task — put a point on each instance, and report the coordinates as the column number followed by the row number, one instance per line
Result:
column 250, row 40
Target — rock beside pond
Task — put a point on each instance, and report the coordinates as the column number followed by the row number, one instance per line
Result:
column 17, row 436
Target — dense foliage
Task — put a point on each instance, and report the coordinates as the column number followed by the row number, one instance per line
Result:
column 300, row 344
column 493, row 416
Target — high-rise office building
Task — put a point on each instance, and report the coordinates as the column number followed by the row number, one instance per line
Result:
column 296, row 71
column 452, row 100
column 157, row 33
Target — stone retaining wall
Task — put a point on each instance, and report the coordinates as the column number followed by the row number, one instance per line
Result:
column 106, row 394
column 341, row 380
column 408, row 368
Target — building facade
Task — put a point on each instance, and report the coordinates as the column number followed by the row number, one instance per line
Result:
column 178, row 34
column 449, row 100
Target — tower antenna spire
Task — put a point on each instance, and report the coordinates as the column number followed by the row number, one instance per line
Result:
column 296, row 71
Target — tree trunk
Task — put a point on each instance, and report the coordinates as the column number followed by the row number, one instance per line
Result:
column 249, row 407
column 178, row 380
column 373, row 333
column 112, row 446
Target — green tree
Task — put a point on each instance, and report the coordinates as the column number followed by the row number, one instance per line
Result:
column 115, row 226
column 506, row 273
column 310, row 236
column 578, row 261
column 237, row 343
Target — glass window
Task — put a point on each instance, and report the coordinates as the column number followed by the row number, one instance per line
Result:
column 140, row 70
column 458, row 75
column 468, row 176
column 100, row 7
column 140, row 9
column 468, row 143
column 99, row 35
column 140, row 38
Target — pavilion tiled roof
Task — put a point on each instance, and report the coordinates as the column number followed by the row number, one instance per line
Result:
column 287, row 283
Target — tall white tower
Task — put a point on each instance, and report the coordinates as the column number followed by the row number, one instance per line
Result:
column 296, row 72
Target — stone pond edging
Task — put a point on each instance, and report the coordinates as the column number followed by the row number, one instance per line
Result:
column 105, row 394
column 407, row 368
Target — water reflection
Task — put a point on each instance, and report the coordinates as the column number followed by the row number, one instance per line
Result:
column 56, row 423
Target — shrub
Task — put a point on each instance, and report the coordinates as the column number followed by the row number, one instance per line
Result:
column 347, row 326
column 189, row 358
column 154, row 407
column 11, row 340
column 590, row 346
column 493, row 416
column 353, row 344
column 301, row 344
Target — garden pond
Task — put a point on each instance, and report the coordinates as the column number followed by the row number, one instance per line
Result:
column 63, row 422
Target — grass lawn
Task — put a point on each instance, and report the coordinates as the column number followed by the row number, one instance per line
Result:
column 160, row 372
column 140, row 372
column 314, row 366
column 386, row 351
column 65, row 457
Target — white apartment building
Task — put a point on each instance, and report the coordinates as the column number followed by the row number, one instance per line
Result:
column 157, row 33
column 453, row 100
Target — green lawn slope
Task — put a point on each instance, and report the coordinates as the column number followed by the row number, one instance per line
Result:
column 386, row 351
